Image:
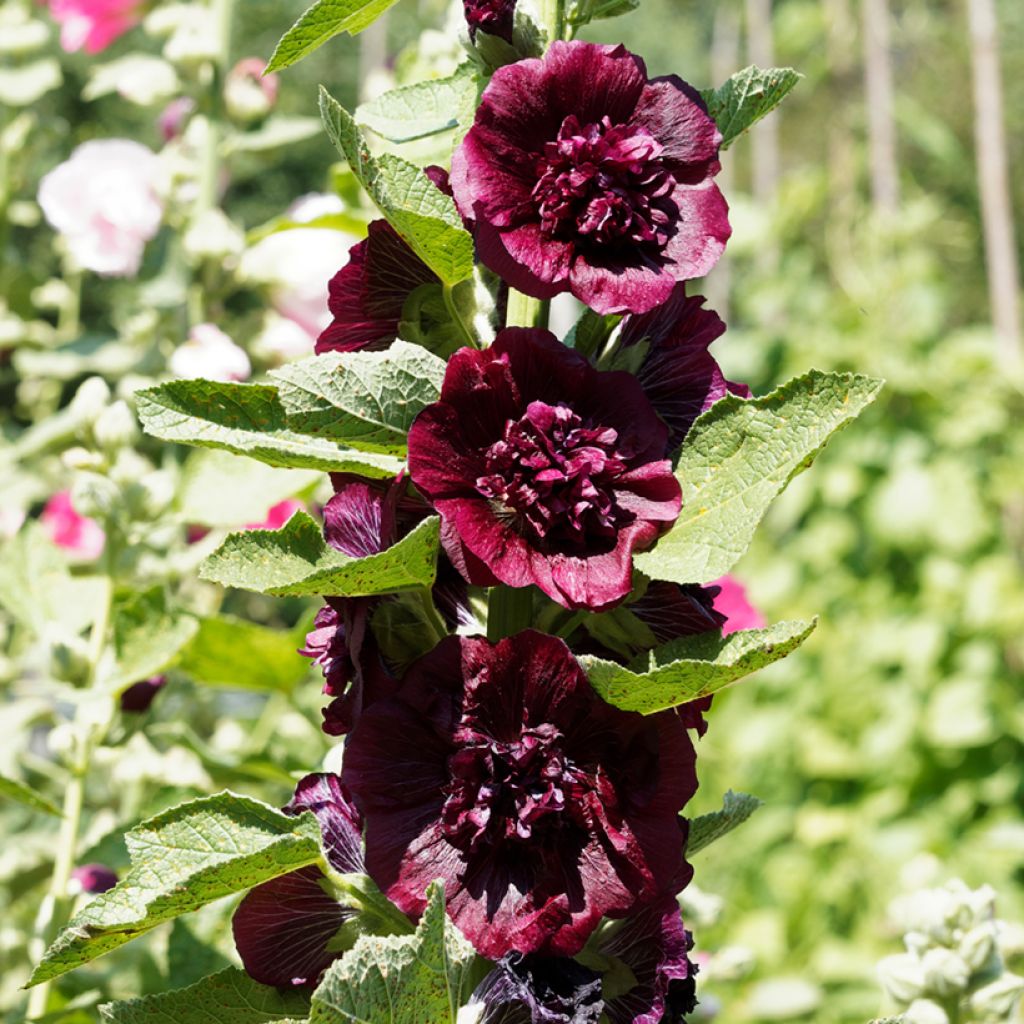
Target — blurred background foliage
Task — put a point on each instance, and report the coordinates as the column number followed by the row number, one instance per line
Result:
column 888, row 751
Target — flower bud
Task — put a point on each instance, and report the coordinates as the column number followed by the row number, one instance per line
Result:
column 155, row 493
column 924, row 1011
column 997, row 1000
column 93, row 878
column 213, row 237
column 249, row 95
column 115, row 427
column 94, row 496
column 61, row 739
column 977, row 946
column 81, row 458
column 902, row 976
column 945, row 972
column 90, row 399
column 52, row 294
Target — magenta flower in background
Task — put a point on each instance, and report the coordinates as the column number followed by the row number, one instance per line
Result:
column 583, row 175
column 542, row 808
column 545, row 471
column 277, row 515
column 495, row 17
column 732, row 602
column 77, row 534
column 94, row 878
column 104, row 199
column 282, row 928
column 679, row 374
column 367, row 295
column 93, row 25
column 209, row 352
column 139, row 696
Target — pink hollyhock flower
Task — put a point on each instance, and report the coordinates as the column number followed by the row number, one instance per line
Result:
column 94, row 878
column 277, row 515
column 283, row 928
column 679, row 374
column 93, row 25
column 583, row 175
column 732, row 602
column 67, row 529
column 544, row 470
column 541, row 808
column 210, row 353
column 103, row 199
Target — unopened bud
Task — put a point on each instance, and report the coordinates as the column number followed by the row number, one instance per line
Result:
column 902, row 976
column 81, row 458
column 248, row 94
column 213, row 237
column 115, row 427
column 997, row 1000
column 90, row 399
column 156, row 492
column 52, row 294
column 977, row 946
column 945, row 972
column 94, row 496
column 924, row 1011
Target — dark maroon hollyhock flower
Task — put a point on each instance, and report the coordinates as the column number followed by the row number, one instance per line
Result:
column 138, row 697
column 95, row 878
column 542, row 808
column 282, row 928
column 583, row 175
column 539, row 990
column 367, row 295
column 544, row 470
column 679, row 374
column 654, row 945
column 495, row 17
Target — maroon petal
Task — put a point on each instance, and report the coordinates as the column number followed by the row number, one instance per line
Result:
column 324, row 794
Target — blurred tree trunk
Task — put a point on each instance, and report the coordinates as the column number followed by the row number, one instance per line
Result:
column 764, row 136
column 885, row 185
column 993, row 178
column 725, row 58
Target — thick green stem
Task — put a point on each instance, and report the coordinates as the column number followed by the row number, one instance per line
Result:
column 68, row 317
column 509, row 610
column 552, row 16
column 465, row 330
column 524, row 311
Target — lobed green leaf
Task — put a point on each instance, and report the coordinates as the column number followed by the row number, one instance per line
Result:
column 296, row 561
column 746, row 97
column 737, row 458
column 247, row 419
column 322, row 21
column 692, row 666
column 183, row 859
column 705, row 829
column 419, row 211
column 400, row 979
column 228, row 997
column 367, row 400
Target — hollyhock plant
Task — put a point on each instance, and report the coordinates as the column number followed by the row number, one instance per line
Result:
column 105, row 201
column 495, row 17
column 544, row 470
column 209, row 352
column 583, row 175
column 277, row 515
column 92, row 25
column 732, row 602
column 542, row 808
column 79, row 535
column 282, row 928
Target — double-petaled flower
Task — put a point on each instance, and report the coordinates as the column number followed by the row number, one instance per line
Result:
column 583, row 175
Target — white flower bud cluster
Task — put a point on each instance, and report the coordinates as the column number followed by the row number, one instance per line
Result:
column 954, row 968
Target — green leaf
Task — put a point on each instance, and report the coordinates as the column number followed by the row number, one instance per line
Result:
column 423, row 978
column 228, row 997
column 737, row 457
column 414, row 206
column 189, row 958
column 296, row 561
column 746, row 97
column 366, row 399
column 324, row 20
column 183, row 859
column 222, row 489
column 692, row 666
column 705, row 829
column 425, row 108
column 591, row 332
column 148, row 634
column 232, row 652
column 21, row 793
column 247, row 419
column 275, row 132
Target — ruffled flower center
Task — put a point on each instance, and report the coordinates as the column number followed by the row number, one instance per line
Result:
column 606, row 184
column 500, row 790
column 556, row 478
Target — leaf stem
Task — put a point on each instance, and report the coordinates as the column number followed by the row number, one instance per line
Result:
column 524, row 311
column 465, row 331
column 552, row 16
column 509, row 610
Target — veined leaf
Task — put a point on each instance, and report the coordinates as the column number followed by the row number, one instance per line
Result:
column 400, row 979
column 746, row 97
column 705, row 829
column 295, row 561
column 425, row 108
column 414, row 206
column 737, row 457
column 247, row 419
column 322, row 21
column 227, row 997
column 692, row 666
column 22, row 794
column 183, row 859
column 367, row 400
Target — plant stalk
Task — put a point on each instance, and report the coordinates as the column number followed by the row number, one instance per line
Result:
column 465, row 330
column 524, row 311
